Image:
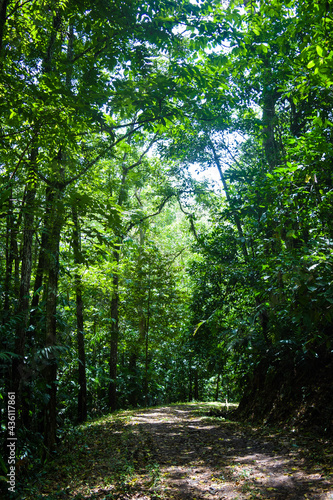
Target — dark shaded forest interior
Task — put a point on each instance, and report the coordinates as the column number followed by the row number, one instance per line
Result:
column 166, row 237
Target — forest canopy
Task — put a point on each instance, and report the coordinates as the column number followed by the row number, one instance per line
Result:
column 128, row 280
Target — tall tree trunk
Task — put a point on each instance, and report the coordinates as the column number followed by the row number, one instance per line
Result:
column 42, row 261
column 26, row 266
column 114, row 336
column 22, row 310
column 82, row 396
column 40, row 269
column 217, row 387
column 196, row 384
column 272, row 153
column 190, row 380
column 9, row 259
column 147, row 346
column 52, row 262
column 5, row 369
column 48, row 59
column 271, row 146
column 132, row 368
column 3, row 18
column 114, row 305
column 37, row 317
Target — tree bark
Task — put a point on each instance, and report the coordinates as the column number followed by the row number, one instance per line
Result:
column 147, row 346
column 52, row 262
column 114, row 336
column 133, row 395
column 22, row 310
column 270, row 144
column 56, row 25
column 196, row 384
column 82, row 396
column 217, row 387
column 3, row 18
column 10, row 235
column 26, row 266
column 190, row 380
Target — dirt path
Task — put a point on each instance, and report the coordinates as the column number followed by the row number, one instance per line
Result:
column 199, row 459
column 180, row 453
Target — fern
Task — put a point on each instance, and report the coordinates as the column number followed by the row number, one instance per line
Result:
column 7, row 355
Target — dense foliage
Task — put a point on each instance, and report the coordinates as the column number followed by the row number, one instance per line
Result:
column 125, row 281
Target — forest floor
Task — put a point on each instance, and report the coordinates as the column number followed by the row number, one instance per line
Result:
column 179, row 452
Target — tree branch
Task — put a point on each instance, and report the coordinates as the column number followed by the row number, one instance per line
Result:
column 190, row 216
column 159, row 210
column 137, row 163
column 226, row 190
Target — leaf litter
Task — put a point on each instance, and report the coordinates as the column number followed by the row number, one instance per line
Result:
column 179, row 452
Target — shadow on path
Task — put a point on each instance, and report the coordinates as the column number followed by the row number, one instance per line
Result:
column 179, row 453
column 202, row 458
